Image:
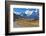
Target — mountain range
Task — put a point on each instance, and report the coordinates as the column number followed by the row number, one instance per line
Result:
column 27, row 14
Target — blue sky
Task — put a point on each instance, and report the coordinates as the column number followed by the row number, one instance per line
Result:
column 20, row 9
column 23, row 9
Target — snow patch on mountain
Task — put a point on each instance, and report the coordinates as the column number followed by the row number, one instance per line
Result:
column 28, row 13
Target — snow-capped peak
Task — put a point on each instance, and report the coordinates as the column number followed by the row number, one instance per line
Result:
column 28, row 13
column 17, row 13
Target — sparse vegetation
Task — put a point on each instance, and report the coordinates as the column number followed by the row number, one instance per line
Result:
column 27, row 23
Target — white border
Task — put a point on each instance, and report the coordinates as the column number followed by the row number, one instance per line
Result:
column 25, row 28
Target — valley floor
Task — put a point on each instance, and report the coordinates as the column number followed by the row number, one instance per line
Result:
column 26, row 23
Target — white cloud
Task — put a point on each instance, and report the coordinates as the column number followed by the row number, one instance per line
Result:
column 28, row 13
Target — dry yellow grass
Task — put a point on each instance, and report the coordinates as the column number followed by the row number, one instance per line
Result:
column 27, row 23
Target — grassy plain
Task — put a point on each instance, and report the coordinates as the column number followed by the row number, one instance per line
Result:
column 27, row 23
